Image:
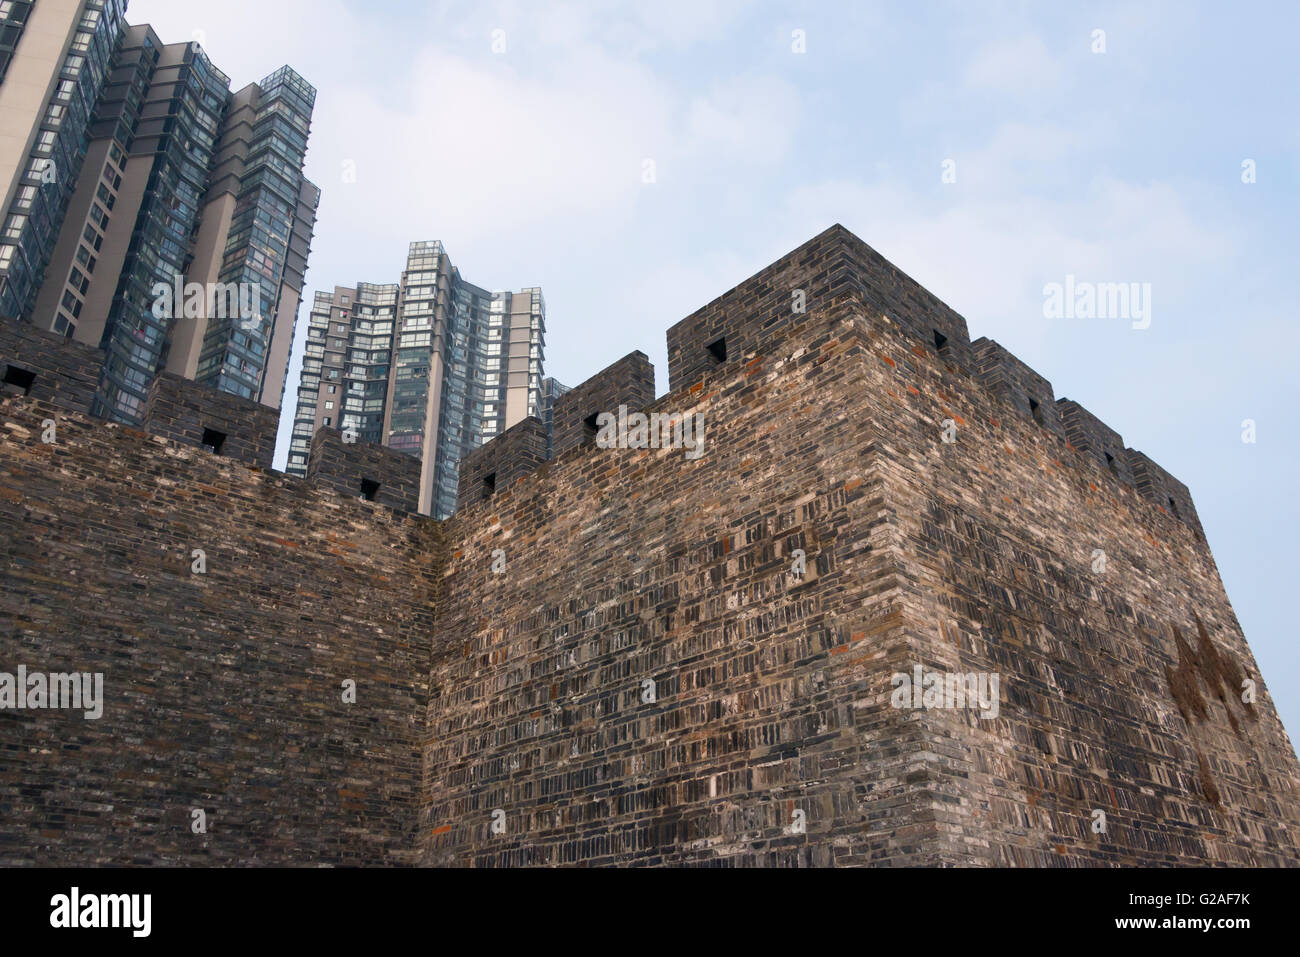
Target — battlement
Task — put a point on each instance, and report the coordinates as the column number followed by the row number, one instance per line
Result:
column 1090, row 435
column 375, row 473
column 630, row 381
column 836, row 269
column 1031, row 394
column 494, row 466
column 47, row 367
column 1163, row 489
column 833, row 265
column 636, row 655
column 191, row 414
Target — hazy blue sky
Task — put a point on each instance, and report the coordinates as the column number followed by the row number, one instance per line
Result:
column 1122, row 166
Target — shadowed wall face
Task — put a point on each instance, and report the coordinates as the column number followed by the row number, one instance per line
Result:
column 224, row 687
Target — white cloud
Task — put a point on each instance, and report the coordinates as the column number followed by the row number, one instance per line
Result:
column 1015, row 65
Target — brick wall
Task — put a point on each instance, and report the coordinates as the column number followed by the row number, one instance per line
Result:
column 1031, row 394
column 625, row 566
column 835, row 264
column 494, row 466
column 223, row 691
column 64, row 372
column 1162, row 488
column 183, row 411
column 355, row 468
column 630, row 381
column 1121, row 658
column 1089, row 434
column 637, row 656
column 772, row 693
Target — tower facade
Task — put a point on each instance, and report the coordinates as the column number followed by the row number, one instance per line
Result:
column 178, row 239
column 345, row 369
column 55, row 58
column 833, row 637
column 433, row 367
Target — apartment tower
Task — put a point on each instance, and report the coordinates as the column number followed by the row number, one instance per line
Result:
column 344, row 383
column 178, row 192
column 433, row 367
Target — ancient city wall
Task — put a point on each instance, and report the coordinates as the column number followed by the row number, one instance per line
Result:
column 223, row 691
column 636, row 655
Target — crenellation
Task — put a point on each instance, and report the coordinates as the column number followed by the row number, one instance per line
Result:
column 833, row 265
column 364, row 470
column 185, row 411
column 494, row 466
column 1171, row 495
column 630, row 382
column 637, row 656
column 48, row 367
column 1090, row 435
column 1029, row 392
column 263, row 643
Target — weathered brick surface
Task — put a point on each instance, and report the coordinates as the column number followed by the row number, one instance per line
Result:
column 647, row 679
column 345, row 466
column 1167, row 492
column 773, row 694
column 831, row 266
column 492, row 467
column 630, row 381
column 223, row 690
column 1105, row 706
column 1089, row 434
column 1021, row 386
column 624, row 566
column 181, row 410
column 66, row 371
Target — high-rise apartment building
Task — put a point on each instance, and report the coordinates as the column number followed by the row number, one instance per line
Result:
column 177, row 231
column 345, row 367
column 432, row 367
column 54, row 62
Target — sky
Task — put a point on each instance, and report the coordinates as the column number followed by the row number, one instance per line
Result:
column 987, row 149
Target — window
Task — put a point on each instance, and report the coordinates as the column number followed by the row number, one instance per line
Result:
column 489, row 485
column 940, row 340
column 369, row 489
column 590, row 427
column 718, row 349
